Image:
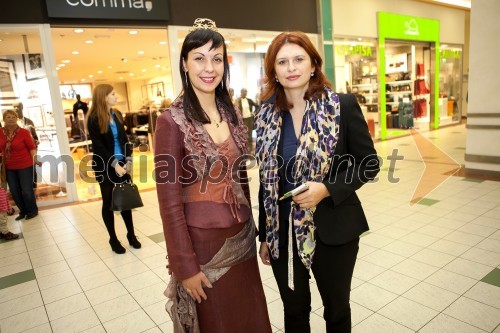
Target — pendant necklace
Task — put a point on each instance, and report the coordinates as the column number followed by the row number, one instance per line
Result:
column 217, row 124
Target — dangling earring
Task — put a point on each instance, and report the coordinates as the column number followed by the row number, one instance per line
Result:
column 312, row 73
column 277, row 79
column 222, row 83
column 186, row 77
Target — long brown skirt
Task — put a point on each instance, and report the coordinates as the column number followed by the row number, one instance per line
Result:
column 236, row 303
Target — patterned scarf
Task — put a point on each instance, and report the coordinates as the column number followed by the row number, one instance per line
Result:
column 9, row 136
column 318, row 139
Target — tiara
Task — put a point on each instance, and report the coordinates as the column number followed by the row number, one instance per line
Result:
column 203, row 23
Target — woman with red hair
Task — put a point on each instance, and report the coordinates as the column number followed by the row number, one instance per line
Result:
column 307, row 134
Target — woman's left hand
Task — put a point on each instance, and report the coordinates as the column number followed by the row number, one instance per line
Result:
column 311, row 197
column 38, row 163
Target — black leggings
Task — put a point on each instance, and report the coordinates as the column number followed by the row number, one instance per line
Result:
column 108, row 215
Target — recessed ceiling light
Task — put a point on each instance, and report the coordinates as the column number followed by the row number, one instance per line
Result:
column 99, row 72
column 62, row 65
column 78, row 31
column 89, row 41
column 360, row 39
column 110, row 67
column 83, row 80
column 157, row 66
column 133, row 32
column 1, row 40
column 121, row 77
column 75, row 52
column 91, row 76
column 131, row 74
column 163, row 43
column 140, row 52
column 66, row 61
column 144, row 70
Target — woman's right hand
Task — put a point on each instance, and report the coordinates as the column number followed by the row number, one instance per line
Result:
column 264, row 254
column 194, row 287
column 120, row 170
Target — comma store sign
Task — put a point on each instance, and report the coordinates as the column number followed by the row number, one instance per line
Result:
column 109, row 9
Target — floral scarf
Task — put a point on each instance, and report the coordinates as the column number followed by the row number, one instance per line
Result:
column 318, row 139
column 9, row 137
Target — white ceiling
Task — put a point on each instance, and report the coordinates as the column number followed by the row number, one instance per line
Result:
column 114, row 54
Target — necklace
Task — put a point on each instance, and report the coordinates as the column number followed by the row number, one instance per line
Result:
column 217, row 124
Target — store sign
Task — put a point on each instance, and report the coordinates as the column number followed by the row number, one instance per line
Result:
column 406, row 27
column 450, row 54
column 411, row 27
column 362, row 50
column 109, row 9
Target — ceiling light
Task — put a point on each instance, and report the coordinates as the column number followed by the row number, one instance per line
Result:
column 91, row 76
column 89, row 41
column 66, row 61
column 157, row 66
column 124, row 59
column 78, row 31
column 110, row 67
column 131, row 74
column 163, row 43
column 458, row 3
column 75, row 52
column 62, row 65
column 121, row 77
column 140, row 52
column 83, row 80
column 144, row 70
column 133, row 32
column 227, row 41
column 99, row 72
column 360, row 39
column 1, row 40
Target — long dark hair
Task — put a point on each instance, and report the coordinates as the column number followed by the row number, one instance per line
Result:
column 316, row 82
column 191, row 104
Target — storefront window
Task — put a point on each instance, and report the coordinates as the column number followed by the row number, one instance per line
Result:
column 450, row 84
column 24, row 87
column 356, row 72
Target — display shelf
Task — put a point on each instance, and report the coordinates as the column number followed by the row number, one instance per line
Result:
column 398, row 92
column 399, row 82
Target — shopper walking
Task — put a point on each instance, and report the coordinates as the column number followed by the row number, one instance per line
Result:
column 324, row 142
column 112, row 159
column 204, row 198
column 19, row 151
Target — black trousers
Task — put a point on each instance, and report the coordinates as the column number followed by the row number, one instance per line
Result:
column 107, row 184
column 332, row 267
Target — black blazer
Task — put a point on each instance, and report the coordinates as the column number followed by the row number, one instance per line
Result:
column 340, row 218
column 103, row 145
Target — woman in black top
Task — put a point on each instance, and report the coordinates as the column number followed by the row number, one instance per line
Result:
column 111, row 160
column 307, row 134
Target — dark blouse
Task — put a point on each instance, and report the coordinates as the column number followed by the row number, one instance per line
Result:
column 290, row 145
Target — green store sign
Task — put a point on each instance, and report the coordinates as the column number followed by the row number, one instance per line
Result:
column 345, row 50
column 450, row 54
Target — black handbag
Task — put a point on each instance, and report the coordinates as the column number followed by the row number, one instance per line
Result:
column 126, row 197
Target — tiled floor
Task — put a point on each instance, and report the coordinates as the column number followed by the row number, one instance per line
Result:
column 429, row 267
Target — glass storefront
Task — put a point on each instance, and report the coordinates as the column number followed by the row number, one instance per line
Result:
column 26, row 87
column 450, row 84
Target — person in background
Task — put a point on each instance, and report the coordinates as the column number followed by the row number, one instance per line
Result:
column 112, row 159
column 247, row 107
column 323, row 141
column 25, row 122
column 79, row 105
column 5, row 208
column 208, row 224
column 19, row 156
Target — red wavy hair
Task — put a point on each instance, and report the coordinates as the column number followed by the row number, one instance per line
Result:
column 317, row 82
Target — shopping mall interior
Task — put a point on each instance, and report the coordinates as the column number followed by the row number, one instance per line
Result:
column 424, row 88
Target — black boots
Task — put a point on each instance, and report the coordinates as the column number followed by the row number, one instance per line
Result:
column 116, row 246
column 132, row 240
